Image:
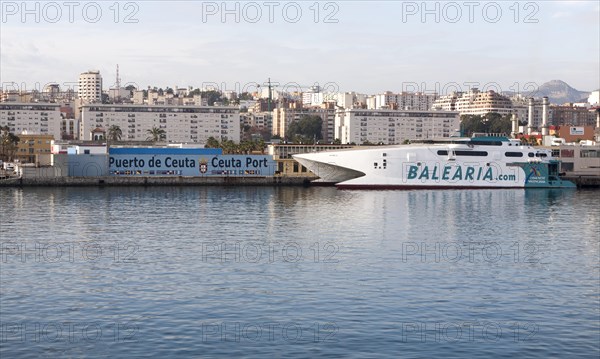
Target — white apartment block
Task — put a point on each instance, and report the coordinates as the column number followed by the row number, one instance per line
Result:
column 90, row 87
column 481, row 103
column 263, row 92
column 313, row 98
column 346, row 99
column 318, row 98
column 167, row 99
column 412, row 101
column 371, row 102
column 31, row 118
column 283, row 117
column 360, row 99
column 474, row 102
column 247, row 104
column 119, row 94
column 186, row 124
column 138, row 97
column 594, row 98
column 446, row 102
column 49, row 94
column 385, row 126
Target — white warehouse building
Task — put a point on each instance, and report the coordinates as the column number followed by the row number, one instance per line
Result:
column 393, row 126
column 186, row 124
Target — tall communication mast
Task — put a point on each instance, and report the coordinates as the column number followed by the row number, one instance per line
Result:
column 269, row 85
column 118, row 83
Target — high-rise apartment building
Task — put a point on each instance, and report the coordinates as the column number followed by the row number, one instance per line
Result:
column 187, row 124
column 31, row 118
column 389, row 127
column 474, row 102
column 412, row 101
column 90, row 87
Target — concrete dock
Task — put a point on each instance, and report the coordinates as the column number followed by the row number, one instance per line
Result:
column 581, row 181
column 154, row 181
column 584, row 181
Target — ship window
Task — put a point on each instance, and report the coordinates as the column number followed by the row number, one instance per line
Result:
column 471, row 153
column 590, row 153
column 530, row 154
column 541, row 154
column 442, row 153
column 384, row 154
column 513, row 154
column 375, row 164
column 567, row 166
column 486, row 142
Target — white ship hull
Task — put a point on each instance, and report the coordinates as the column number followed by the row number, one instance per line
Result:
column 467, row 164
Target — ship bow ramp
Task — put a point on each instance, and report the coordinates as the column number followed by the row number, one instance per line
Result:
column 327, row 167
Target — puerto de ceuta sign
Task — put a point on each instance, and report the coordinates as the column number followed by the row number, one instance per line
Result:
column 190, row 165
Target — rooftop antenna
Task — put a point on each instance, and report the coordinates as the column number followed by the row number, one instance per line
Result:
column 118, row 83
column 269, row 86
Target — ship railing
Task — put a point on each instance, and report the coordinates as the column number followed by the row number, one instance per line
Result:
column 484, row 134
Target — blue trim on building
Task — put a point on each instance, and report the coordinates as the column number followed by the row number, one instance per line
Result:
column 489, row 138
column 164, row 151
column 193, row 165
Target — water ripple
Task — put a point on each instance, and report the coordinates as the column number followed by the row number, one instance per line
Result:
column 278, row 272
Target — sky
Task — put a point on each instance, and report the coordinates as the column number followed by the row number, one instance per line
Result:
column 362, row 46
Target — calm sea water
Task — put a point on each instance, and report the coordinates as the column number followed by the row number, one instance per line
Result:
column 299, row 272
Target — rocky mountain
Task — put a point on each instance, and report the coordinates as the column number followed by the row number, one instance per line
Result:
column 559, row 92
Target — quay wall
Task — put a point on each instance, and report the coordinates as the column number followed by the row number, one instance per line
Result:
column 154, row 181
column 61, row 181
column 584, row 181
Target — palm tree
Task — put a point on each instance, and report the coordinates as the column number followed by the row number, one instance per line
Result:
column 8, row 144
column 259, row 146
column 229, row 147
column 156, row 134
column 245, row 147
column 212, row 142
column 114, row 133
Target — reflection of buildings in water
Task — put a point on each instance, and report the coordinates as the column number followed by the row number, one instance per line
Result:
column 17, row 198
column 309, row 214
column 381, row 213
column 289, row 196
column 11, row 206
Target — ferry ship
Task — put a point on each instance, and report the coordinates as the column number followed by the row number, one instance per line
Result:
column 483, row 161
